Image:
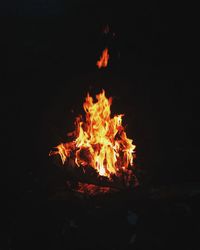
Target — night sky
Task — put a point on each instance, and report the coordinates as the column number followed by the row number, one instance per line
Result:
column 51, row 52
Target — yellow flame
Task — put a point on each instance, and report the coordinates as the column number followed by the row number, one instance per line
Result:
column 100, row 141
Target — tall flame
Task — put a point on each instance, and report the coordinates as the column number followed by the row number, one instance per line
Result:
column 99, row 141
column 103, row 61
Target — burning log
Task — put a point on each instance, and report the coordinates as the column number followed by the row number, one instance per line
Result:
column 87, row 175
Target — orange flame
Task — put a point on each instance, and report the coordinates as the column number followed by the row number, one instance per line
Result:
column 103, row 62
column 99, row 141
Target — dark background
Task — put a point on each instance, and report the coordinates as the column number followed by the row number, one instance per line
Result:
column 51, row 52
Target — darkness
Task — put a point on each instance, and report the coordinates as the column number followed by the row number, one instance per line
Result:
column 51, row 51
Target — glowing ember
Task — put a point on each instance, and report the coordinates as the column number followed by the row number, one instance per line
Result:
column 99, row 141
column 92, row 189
column 103, row 62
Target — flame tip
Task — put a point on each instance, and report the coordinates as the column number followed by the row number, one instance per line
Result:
column 103, row 61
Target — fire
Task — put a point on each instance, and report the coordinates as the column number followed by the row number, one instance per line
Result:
column 99, row 140
column 103, row 62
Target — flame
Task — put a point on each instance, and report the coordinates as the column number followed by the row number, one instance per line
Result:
column 99, row 140
column 103, row 62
